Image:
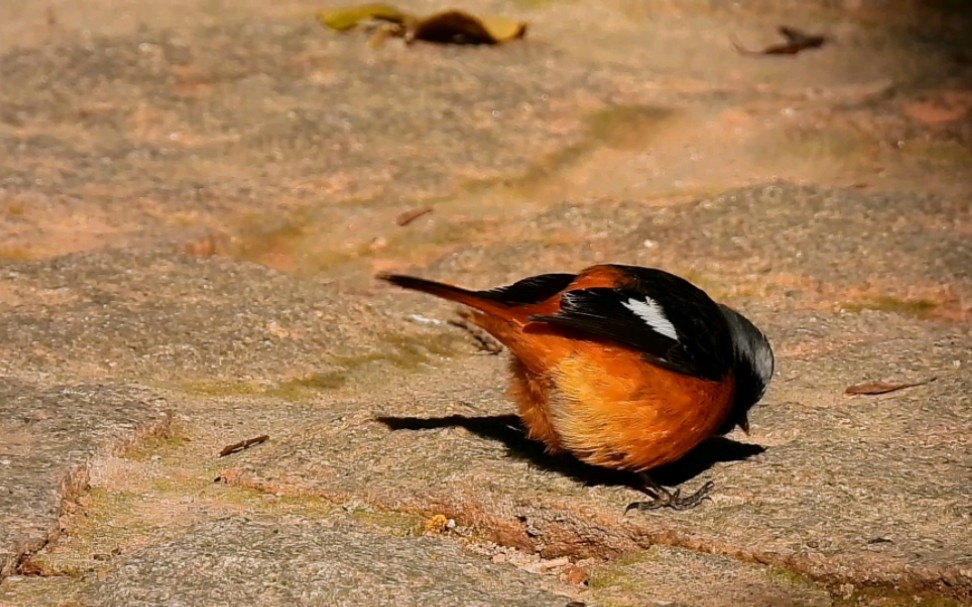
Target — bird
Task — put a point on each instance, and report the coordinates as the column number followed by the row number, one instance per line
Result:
column 622, row 367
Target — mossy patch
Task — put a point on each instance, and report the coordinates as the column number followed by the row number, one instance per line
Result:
column 888, row 597
column 620, row 127
column 223, row 387
column 788, row 577
column 298, row 389
column 304, row 388
column 170, row 438
column 15, row 209
column 38, row 591
column 299, row 243
column 15, row 253
column 609, row 577
column 398, row 524
column 626, row 127
column 256, row 501
column 635, row 558
column 96, row 532
column 406, row 352
column 831, row 144
column 532, row 5
column 917, row 308
column 940, row 154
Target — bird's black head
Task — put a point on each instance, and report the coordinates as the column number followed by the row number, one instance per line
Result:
column 753, row 367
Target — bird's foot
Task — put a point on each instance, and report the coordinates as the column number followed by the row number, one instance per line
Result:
column 664, row 498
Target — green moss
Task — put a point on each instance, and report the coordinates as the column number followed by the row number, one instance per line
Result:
column 531, row 5
column 257, row 502
column 99, row 507
column 635, row 558
column 295, row 390
column 625, row 127
column 888, row 597
column 609, row 577
column 918, row 308
column 829, row 144
column 788, row 577
column 163, row 443
column 399, row 524
column 40, row 591
column 258, row 240
column 405, row 352
column 622, row 127
column 222, row 388
column 15, row 253
column 293, row 244
column 304, row 388
column 942, row 154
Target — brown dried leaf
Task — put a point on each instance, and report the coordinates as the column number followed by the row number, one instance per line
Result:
column 796, row 41
column 452, row 26
column 348, row 17
column 873, row 388
column 243, row 445
column 409, row 216
column 458, row 27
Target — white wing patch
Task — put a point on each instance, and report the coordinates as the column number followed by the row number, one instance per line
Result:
column 652, row 313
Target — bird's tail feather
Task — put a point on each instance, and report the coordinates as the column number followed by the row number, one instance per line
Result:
column 476, row 300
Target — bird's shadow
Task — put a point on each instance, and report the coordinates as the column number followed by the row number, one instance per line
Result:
column 509, row 430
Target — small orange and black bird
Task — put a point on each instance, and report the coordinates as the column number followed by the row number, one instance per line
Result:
column 623, row 367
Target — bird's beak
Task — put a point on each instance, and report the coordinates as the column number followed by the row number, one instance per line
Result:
column 744, row 425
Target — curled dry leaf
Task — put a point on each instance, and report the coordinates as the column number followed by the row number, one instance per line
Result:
column 457, row 27
column 451, row 26
column 348, row 17
column 409, row 216
column 243, row 445
column 796, row 41
column 873, row 388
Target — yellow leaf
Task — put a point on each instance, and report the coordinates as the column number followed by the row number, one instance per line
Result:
column 347, row 17
column 462, row 28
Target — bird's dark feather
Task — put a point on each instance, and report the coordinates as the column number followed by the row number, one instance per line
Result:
column 530, row 290
column 703, row 348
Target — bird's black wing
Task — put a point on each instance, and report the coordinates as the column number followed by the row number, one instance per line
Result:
column 669, row 321
column 530, row 290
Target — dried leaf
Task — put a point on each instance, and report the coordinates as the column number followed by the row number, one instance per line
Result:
column 347, row 17
column 243, row 445
column 873, row 388
column 458, row 27
column 452, row 26
column 796, row 41
column 409, row 216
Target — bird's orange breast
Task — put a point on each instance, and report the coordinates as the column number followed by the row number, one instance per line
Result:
column 603, row 403
column 611, row 408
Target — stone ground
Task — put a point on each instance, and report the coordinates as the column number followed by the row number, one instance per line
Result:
column 194, row 197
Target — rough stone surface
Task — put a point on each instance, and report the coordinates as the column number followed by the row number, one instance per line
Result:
column 238, row 561
column 846, row 487
column 674, row 576
column 168, row 318
column 194, row 199
column 49, row 435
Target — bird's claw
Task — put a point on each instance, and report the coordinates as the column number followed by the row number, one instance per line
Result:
column 663, row 498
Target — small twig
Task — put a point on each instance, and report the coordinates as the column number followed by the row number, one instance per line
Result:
column 483, row 339
column 873, row 388
column 409, row 216
column 243, row 445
